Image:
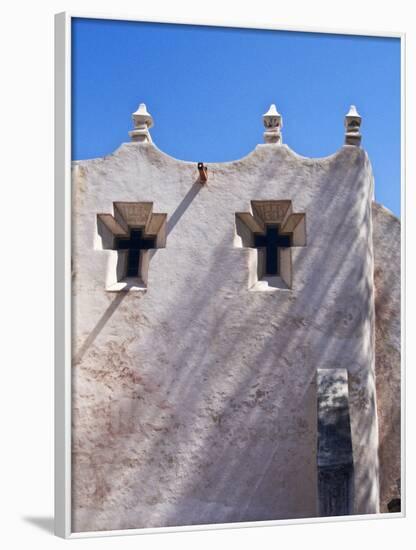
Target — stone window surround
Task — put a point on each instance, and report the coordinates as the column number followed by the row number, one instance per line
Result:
column 110, row 227
column 247, row 224
column 129, row 215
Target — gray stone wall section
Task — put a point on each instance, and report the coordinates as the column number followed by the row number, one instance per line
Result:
column 195, row 402
column 335, row 455
column 386, row 237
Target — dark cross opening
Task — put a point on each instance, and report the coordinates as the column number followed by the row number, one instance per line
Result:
column 272, row 241
column 134, row 245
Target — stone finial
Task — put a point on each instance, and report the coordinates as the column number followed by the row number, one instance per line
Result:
column 352, row 127
column 142, row 122
column 273, row 123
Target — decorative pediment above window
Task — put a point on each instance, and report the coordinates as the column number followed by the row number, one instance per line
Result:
column 272, row 228
column 133, row 232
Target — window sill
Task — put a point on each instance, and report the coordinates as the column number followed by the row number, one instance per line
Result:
column 270, row 284
column 129, row 284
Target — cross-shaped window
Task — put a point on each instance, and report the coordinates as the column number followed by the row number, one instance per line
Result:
column 273, row 229
column 131, row 231
column 272, row 241
column 134, row 244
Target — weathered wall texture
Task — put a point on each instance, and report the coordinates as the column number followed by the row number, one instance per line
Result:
column 386, row 235
column 195, row 402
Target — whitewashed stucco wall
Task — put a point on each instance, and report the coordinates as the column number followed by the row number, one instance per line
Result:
column 386, row 238
column 195, row 402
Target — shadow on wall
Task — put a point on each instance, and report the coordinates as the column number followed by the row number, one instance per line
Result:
column 214, row 440
column 108, row 239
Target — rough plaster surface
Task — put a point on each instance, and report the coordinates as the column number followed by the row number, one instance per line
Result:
column 386, row 235
column 195, row 402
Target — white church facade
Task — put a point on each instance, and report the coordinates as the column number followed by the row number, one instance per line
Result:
column 236, row 336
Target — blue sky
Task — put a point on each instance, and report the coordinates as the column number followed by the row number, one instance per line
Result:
column 207, row 87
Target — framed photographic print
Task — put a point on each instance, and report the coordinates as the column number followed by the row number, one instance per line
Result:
column 228, row 276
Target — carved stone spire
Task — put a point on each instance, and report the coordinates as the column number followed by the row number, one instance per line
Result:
column 142, row 122
column 352, row 127
column 273, row 123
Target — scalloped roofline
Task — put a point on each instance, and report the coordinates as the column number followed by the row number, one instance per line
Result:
column 252, row 153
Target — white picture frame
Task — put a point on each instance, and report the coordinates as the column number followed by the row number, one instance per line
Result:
column 63, row 390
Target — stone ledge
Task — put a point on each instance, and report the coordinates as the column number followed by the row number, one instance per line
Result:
column 127, row 285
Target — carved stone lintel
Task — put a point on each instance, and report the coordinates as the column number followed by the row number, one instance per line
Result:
column 272, row 211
